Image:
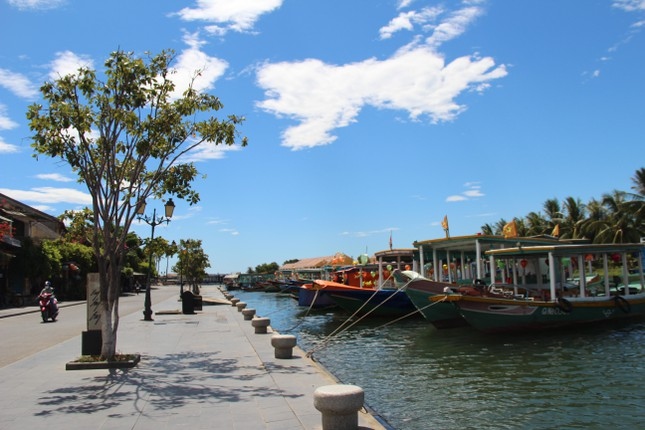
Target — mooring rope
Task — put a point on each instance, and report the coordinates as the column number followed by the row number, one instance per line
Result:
column 342, row 328
column 313, row 301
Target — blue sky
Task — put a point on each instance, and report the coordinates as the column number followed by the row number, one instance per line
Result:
column 365, row 118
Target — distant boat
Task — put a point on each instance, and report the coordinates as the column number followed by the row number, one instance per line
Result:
column 521, row 306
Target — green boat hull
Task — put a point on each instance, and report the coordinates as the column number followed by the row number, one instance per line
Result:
column 439, row 314
column 495, row 316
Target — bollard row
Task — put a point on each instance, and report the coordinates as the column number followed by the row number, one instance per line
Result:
column 338, row 404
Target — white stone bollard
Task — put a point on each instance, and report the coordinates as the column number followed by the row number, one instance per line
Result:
column 248, row 313
column 339, row 405
column 240, row 306
column 283, row 344
column 234, row 301
column 260, row 325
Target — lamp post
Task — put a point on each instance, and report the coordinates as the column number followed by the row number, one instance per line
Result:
column 181, row 272
column 153, row 222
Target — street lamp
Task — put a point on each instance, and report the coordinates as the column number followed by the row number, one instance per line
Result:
column 153, row 222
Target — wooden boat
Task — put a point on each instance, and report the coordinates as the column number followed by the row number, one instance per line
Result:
column 313, row 297
column 367, row 300
column 520, row 306
column 442, row 314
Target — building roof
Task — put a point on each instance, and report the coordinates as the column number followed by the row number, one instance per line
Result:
column 338, row 259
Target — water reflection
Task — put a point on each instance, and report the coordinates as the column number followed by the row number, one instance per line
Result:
column 418, row 377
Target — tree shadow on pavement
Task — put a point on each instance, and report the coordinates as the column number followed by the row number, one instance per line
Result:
column 163, row 383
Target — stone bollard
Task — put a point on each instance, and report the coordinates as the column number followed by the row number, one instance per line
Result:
column 234, row 301
column 260, row 325
column 240, row 306
column 339, row 405
column 283, row 344
column 248, row 313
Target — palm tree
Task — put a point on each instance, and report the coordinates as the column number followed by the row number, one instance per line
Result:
column 487, row 230
column 639, row 182
column 575, row 215
column 553, row 212
column 595, row 221
column 536, row 224
column 620, row 225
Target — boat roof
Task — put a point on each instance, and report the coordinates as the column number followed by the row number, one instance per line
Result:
column 486, row 242
column 567, row 249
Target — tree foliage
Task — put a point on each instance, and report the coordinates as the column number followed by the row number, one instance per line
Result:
column 191, row 263
column 266, row 268
column 125, row 137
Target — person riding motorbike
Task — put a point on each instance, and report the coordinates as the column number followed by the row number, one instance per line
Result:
column 48, row 289
column 48, row 303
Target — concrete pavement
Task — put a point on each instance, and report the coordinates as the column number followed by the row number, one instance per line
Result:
column 203, row 371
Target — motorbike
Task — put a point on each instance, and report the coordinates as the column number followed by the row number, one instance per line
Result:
column 48, row 306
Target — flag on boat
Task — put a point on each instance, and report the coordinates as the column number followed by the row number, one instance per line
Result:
column 444, row 223
column 510, row 230
column 556, row 231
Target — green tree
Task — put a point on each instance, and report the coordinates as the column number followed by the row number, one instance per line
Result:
column 267, row 268
column 191, row 263
column 125, row 137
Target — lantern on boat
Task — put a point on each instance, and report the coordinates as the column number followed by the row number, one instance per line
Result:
column 566, row 261
column 615, row 258
column 523, row 263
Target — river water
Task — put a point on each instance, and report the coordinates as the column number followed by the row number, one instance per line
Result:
column 417, row 377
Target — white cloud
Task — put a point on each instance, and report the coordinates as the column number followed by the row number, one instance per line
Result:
column 323, row 97
column 230, row 231
column 6, row 123
column 17, row 84
column 473, row 191
column 404, row 3
column 238, row 15
column 49, row 195
column 630, row 5
column 7, row 148
column 57, row 177
column 454, row 26
column 36, row 4
column 208, row 151
column 408, row 21
column 193, row 60
column 68, row 63
column 456, row 198
column 369, row 233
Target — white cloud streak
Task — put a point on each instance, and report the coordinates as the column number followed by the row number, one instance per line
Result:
column 6, row 123
column 18, row 84
column 49, row 195
column 36, row 4
column 7, row 148
column 57, row 177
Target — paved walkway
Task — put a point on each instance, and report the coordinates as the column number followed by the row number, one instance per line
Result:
column 203, row 371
